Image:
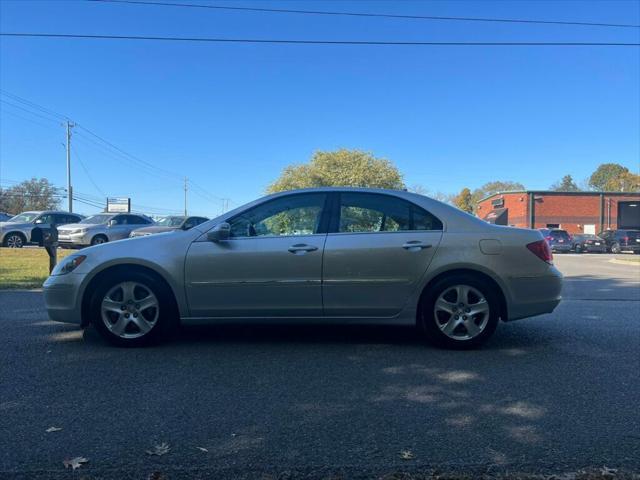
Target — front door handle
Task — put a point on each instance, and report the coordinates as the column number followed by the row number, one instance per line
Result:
column 301, row 248
column 415, row 246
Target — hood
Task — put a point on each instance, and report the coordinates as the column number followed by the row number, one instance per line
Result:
column 155, row 229
column 75, row 226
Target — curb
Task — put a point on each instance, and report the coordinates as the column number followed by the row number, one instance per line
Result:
column 21, row 290
column 624, row 262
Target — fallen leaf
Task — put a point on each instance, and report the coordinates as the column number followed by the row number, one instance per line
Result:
column 202, row 449
column 53, row 429
column 406, row 455
column 159, row 450
column 75, row 462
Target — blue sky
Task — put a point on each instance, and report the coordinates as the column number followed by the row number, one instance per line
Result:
column 232, row 116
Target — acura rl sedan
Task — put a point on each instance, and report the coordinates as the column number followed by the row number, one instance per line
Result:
column 324, row 255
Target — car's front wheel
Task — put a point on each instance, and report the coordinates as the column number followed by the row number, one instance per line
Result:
column 99, row 240
column 133, row 309
column 459, row 312
column 615, row 248
column 14, row 240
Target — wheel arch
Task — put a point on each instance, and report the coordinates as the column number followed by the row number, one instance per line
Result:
column 15, row 232
column 103, row 235
column 119, row 268
column 504, row 314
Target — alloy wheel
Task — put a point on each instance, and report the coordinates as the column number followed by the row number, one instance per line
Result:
column 14, row 241
column 130, row 310
column 461, row 312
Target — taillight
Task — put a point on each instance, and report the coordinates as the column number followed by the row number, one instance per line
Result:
column 548, row 238
column 625, row 239
column 541, row 250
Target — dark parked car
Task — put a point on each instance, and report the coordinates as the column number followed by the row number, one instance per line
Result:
column 588, row 242
column 559, row 240
column 622, row 240
column 169, row 224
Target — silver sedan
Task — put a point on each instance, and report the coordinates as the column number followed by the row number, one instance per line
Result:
column 320, row 255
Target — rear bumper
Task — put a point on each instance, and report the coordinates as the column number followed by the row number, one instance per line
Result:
column 532, row 296
column 630, row 248
column 561, row 248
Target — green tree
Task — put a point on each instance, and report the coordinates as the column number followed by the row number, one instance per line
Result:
column 437, row 195
column 34, row 194
column 464, row 200
column 566, row 184
column 490, row 188
column 340, row 168
column 610, row 177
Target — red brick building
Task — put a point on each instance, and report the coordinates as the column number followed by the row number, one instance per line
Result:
column 576, row 212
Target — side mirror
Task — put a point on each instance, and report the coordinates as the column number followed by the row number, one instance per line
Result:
column 111, row 223
column 219, row 233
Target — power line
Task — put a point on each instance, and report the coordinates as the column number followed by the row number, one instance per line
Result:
column 86, row 171
column 32, row 104
column 318, row 42
column 372, row 15
column 29, row 111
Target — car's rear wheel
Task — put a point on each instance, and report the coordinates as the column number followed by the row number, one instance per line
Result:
column 578, row 249
column 14, row 240
column 133, row 309
column 459, row 312
column 99, row 239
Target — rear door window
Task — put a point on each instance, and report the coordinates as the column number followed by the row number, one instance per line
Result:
column 369, row 213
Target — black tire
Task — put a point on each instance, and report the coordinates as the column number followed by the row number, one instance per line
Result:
column 99, row 239
column 14, row 240
column 578, row 249
column 615, row 248
column 429, row 324
column 167, row 317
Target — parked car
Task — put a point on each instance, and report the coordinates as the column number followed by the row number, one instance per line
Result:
column 318, row 256
column 18, row 231
column 622, row 240
column 101, row 228
column 169, row 224
column 559, row 240
column 587, row 242
column 4, row 217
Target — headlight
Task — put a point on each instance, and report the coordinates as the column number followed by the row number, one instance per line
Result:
column 69, row 264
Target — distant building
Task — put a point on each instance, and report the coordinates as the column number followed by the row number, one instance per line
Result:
column 576, row 212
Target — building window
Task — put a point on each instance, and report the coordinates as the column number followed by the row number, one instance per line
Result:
column 553, row 225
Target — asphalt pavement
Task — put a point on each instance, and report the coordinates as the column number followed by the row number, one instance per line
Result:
column 550, row 394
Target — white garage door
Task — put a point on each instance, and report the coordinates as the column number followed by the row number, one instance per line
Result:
column 590, row 229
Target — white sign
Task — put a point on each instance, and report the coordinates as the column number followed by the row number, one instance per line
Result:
column 118, row 205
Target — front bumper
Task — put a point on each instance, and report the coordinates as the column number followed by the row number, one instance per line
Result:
column 75, row 239
column 532, row 296
column 63, row 297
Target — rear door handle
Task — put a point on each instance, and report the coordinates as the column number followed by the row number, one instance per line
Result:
column 415, row 246
column 300, row 248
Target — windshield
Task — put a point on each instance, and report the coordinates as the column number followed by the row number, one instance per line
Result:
column 97, row 219
column 25, row 217
column 170, row 221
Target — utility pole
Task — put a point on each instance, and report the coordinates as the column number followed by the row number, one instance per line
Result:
column 185, row 196
column 69, row 187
